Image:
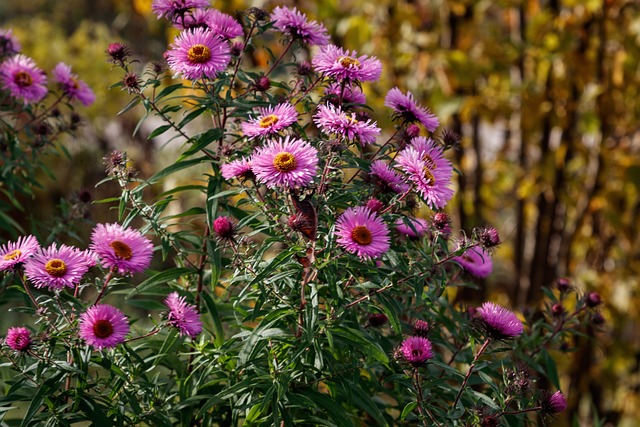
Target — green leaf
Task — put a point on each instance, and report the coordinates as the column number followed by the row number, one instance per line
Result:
column 360, row 339
column 159, row 131
column 218, row 329
column 160, row 278
column 551, row 370
column 409, row 407
column 175, row 167
column 168, row 91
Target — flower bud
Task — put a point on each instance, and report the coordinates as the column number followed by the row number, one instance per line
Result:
column 223, row 227
column 413, row 130
column 557, row 310
column 263, row 84
column 563, row 284
column 421, row 328
column 378, row 319
column 118, row 52
column 374, row 205
column 593, row 299
column 555, row 403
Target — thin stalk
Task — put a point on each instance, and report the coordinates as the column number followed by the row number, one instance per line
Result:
column 473, row 364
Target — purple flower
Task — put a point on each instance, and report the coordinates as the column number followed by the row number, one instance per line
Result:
column 103, row 326
column 413, row 228
column 223, row 227
column 56, row 267
column 18, row 339
column 498, row 322
column 171, row 9
column 223, row 25
column 348, row 93
column 9, row 44
column 123, row 249
column 287, row 162
column 240, row 168
column 424, row 163
column 13, row 254
column 183, row 316
column 198, row 53
column 416, row 350
column 387, row 178
column 555, row 403
column 72, row 86
column 23, row 79
column 406, row 107
column 362, row 232
column 331, row 119
column 294, row 23
column 340, row 64
column 476, row 261
column 270, row 120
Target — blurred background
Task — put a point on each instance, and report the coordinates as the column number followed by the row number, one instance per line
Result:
column 546, row 94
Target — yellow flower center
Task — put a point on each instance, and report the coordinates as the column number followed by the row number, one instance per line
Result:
column 428, row 175
column 199, row 54
column 102, row 328
column 56, row 267
column 284, row 162
column 23, row 79
column 429, row 161
column 122, row 250
column 361, row 235
column 349, row 62
column 12, row 255
column 267, row 121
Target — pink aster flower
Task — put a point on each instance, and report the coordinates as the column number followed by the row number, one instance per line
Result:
column 240, row 169
column 23, row 79
column 331, row 119
column 335, row 62
column 476, row 261
column 348, row 93
column 498, row 322
column 183, row 316
column 56, row 267
column 554, row 403
column 405, row 106
column 9, row 44
column 73, row 87
column 429, row 170
column 362, row 232
column 14, row 254
column 387, row 178
column 270, row 120
column 123, row 249
column 294, row 23
column 18, row 339
column 172, row 9
column 416, row 350
column 412, row 228
column 223, row 25
column 103, row 326
column 287, row 162
column 198, row 53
